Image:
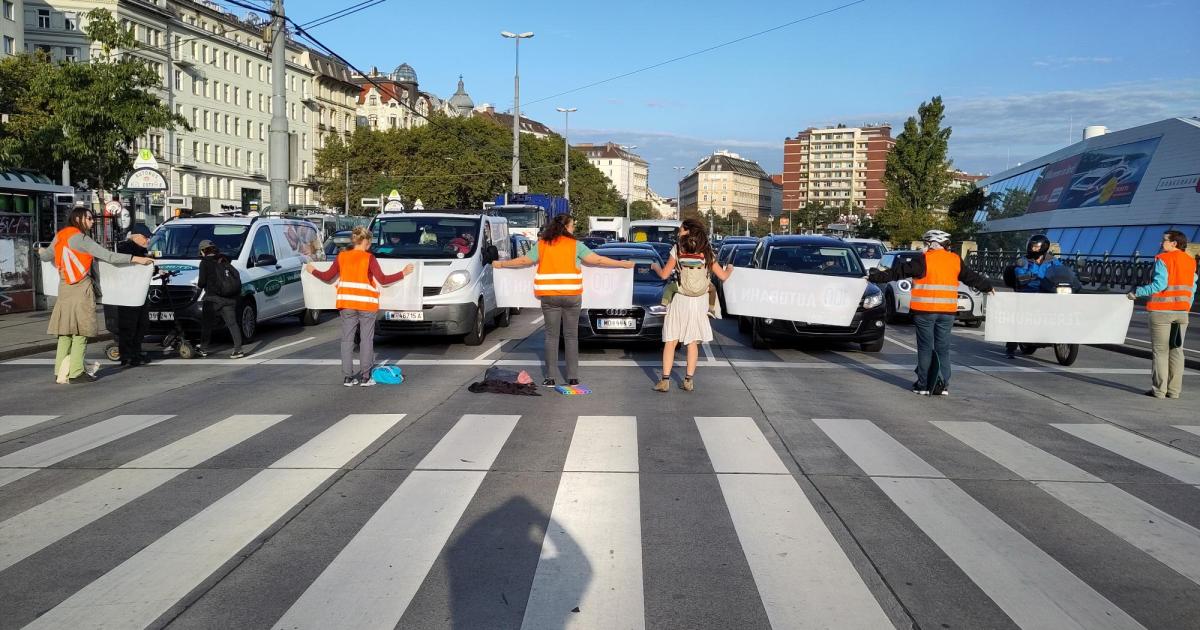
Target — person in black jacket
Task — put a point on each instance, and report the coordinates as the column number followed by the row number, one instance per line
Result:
column 211, row 260
column 132, row 320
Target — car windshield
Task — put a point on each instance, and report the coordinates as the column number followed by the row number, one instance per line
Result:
column 523, row 218
column 425, row 237
column 815, row 259
column 641, row 269
column 652, row 234
column 742, row 256
column 869, row 251
column 181, row 241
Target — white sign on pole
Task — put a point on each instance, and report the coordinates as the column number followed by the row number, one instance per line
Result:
column 404, row 295
column 799, row 297
column 602, row 287
column 1054, row 318
column 124, row 285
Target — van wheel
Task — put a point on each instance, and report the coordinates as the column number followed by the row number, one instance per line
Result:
column 248, row 320
column 310, row 317
column 504, row 318
column 112, row 352
column 475, row 337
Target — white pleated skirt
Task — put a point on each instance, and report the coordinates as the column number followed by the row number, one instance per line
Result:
column 687, row 320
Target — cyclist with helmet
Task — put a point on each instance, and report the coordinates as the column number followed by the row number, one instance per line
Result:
column 1038, row 271
column 934, row 303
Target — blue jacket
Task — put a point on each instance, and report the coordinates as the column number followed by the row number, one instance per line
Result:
column 1029, row 274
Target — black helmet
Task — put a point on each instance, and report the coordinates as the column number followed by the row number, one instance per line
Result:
column 1037, row 246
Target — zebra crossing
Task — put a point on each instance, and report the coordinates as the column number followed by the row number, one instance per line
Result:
column 807, row 568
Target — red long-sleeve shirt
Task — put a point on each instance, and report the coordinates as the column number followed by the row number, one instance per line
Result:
column 375, row 272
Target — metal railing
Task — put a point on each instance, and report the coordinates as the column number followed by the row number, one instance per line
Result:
column 1097, row 272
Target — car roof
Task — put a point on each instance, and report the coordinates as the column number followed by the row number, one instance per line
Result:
column 863, row 240
column 627, row 251
column 612, row 244
column 802, row 239
column 730, row 240
column 447, row 214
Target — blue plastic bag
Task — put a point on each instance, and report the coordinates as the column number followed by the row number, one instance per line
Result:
column 388, row 375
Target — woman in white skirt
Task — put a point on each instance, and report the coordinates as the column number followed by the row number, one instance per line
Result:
column 687, row 314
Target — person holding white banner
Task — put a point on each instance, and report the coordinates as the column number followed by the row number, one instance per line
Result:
column 359, row 278
column 934, row 303
column 687, row 314
column 73, row 319
column 1171, row 294
column 559, row 286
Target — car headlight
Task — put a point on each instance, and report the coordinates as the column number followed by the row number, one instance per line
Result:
column 658, row 309
column 456, row 281
column 871, row 301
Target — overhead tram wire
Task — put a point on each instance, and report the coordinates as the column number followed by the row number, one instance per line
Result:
column 698, row 52
column 348, row 11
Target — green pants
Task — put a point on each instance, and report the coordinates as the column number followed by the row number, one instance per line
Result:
column 72, row 347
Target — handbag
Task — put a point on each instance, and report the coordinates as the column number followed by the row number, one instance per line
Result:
column 388, row 375
column 1175, row 340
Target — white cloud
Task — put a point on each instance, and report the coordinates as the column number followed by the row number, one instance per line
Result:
column 1067, row 62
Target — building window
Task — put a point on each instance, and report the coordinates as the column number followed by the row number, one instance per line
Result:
column 71, row 53
column 9, row 45
column 70, row 21
column 9, row 10
column 178, row 80
column 196, row 151
column 43, row 18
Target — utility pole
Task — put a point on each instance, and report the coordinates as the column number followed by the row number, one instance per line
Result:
column 347, row 187
column 679, row 192
column 566, row 112
column 278, row 147
column 516, row 163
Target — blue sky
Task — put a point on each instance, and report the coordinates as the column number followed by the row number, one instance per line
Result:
column 1020, row 78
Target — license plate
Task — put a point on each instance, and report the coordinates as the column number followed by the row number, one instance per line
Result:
column 404, row 316
column 164, row 316
column 622, row 323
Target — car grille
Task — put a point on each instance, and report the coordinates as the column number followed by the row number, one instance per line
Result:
column 823, row 329
column 170, row 298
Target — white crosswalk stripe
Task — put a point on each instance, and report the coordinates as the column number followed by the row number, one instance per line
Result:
column 589, row 572
column 12, row 424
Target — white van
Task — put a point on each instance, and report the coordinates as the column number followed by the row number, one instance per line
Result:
column 653, row 231
column 268, row 253
column 455, row 252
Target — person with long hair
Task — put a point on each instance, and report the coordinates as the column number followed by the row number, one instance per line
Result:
column 688, row 312
column 73, row 319
column 559, row 286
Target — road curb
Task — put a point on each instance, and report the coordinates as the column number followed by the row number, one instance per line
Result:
column 1145, row 353
column 43, row 346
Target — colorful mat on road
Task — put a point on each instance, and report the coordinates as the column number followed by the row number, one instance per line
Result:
column 572, row 390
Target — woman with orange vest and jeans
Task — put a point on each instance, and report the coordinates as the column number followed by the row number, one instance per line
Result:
column 559, row 286
column 1171, row 294
column 934, row 303
column 73, row 319
column 359, row 278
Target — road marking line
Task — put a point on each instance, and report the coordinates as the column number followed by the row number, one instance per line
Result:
column 1148, row 343
column 12, row 424
column 29, row 460
column 1024, row 581
column 603, row 444
column 373, row 579
column 1162, row 536
column 37, row 528
column 708, row 353
column 539, row 321
column 782, row 535
column 150, row 583
column 490, row 350
column 901, row 344
column 1189, row 429
column 1166, row 460
column 591, row 558
column 286, row 345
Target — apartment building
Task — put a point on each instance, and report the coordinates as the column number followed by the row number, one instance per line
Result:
column 836, row 165
column 215, row 71
column 628, row 172
column 12, row 28
column 725, row 182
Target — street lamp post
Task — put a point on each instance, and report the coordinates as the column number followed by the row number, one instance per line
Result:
column 679, row 191
column 566, row 112
column 516, row 161
column 628, row 171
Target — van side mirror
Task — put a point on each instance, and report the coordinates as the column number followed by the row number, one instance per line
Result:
column 490, row 254
column 265, row 260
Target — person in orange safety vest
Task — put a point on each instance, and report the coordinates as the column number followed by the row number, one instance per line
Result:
column 1171, row 293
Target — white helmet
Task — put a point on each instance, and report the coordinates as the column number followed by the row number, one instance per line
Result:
column 936, row 236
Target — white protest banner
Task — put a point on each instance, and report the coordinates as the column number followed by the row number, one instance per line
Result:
column 602, row 287
column 404, row 295
column 1054, row 318
column 124, row 285
column 800, row 297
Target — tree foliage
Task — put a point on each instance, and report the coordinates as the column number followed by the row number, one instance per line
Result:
column 90, row 113
column 457, row 163
column 917, row 176
column 962, row 213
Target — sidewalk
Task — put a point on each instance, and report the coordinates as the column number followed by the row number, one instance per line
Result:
column 23, row 334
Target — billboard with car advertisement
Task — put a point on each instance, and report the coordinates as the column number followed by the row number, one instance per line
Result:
column 1109, row 176
column 1052, row 183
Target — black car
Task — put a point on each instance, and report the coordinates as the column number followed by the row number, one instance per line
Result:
column 733, row 240
column 592, row 241
column 818, row 255
column 643, row 322
column 737, row 254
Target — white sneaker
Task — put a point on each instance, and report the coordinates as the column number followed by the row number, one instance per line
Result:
column 921, row 392
column 93, row 368
column 369, row 382
column 945, row 392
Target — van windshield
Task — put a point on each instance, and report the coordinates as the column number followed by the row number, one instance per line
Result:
column 652, row 234
column 425, row 237
column 181, row 241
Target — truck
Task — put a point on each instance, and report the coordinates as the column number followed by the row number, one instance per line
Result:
column 609, row 228
column 527, row 214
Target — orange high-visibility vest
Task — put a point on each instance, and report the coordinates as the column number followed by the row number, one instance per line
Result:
column 937, row 292
column 558, row 271
column 355, row 289
column 72, row 265
column 1181, row 277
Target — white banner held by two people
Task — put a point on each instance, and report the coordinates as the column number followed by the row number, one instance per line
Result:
column 1053, row 318
column 404, row 295
column 800, row 297
column 603, row 287
column 124, row 285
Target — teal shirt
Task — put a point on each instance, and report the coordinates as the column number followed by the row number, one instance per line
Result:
column 581, row 251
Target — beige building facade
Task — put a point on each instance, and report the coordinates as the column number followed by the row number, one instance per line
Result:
column 628, row 172
column 834, row 166
column 725, row 182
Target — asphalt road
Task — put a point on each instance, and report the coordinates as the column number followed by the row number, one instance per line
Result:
column 800, row 487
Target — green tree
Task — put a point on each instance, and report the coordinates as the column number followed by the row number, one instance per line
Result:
column 640, row 210
column 88, row 113
column 962, row 213
column 917, row 176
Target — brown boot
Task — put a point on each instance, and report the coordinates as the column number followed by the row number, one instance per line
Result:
column 687, row 384
column 663, row 385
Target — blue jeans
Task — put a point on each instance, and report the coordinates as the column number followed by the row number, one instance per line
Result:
column 933, row 338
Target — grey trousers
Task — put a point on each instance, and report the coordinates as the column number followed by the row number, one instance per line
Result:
column 364, row 323
column 562, row 313
column 1167, row 373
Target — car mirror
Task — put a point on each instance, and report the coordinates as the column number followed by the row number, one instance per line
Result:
column 265, row 260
